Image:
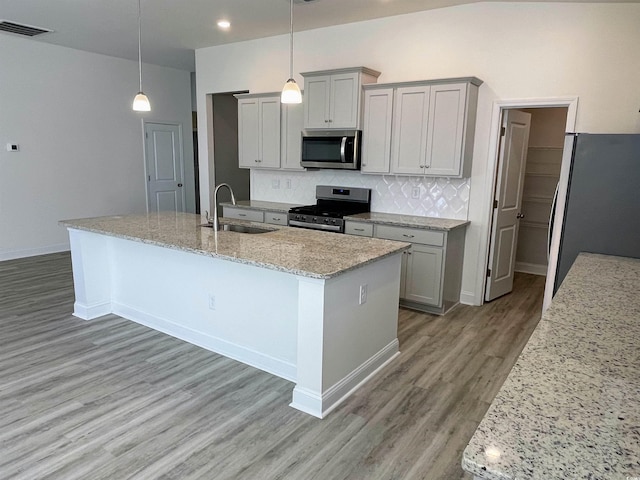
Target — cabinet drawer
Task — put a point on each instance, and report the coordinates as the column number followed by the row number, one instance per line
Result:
column 413, row 235
column 275, row 218
column 243, row 214
column 357, row 228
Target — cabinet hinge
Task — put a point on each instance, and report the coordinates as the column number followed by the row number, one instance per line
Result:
column 149, row 177
column 146, row 135
column 495, row 204
column 503, row 131
column 488, row 272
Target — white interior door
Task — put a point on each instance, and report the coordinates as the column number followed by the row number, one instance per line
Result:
column 165, row 167
column 507, row 204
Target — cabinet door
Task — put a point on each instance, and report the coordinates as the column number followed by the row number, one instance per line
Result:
column 409, row 142
column 291, row 129
column 424, row 275
column 269, row 133
column 344, row 100
column 316, row 102
column 403, row 274
column 376, row 142
column 446, row 129
column 248, row 132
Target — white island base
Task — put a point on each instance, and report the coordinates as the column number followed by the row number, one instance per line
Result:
column 312, row 331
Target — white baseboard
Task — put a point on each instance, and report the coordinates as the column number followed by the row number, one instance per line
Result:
column 532, row 268
column 32, row 252
column 242, row 354
column 469, row 298
column 89, row 312
column 321, row 405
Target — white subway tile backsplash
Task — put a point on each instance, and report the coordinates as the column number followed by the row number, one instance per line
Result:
column 439, row 197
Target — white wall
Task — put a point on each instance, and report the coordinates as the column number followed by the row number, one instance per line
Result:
column 81, row 145
column 520, row 50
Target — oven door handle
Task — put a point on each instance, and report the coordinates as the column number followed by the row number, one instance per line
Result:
column 343, row 149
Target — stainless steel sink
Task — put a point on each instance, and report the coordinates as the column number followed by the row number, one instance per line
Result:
column 239, row 228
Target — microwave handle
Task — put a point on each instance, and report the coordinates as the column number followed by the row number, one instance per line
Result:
column 343, row 148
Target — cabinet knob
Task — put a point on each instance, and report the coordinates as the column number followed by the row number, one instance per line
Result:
column 426, row 166
column 179, row 185
column 407, row 235
column 520, row 215
column 326, row 121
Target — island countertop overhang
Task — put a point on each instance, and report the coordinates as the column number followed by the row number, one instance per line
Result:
column 308, row 253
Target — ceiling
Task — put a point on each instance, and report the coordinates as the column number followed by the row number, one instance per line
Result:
column 173, row 29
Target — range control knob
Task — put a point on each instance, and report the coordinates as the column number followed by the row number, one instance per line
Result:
column 315, row 219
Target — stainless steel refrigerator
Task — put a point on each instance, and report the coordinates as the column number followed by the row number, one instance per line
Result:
column 597, row 204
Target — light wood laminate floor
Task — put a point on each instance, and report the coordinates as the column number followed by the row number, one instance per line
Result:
column 110, row 399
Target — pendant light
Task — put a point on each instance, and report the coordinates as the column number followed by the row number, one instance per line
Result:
column 140, row 102
column 291, row 91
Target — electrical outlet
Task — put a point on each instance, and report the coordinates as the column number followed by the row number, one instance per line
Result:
column 415, row 193
column 288, row 184
column 363, row 294
column 275, row 183
column 212, row 302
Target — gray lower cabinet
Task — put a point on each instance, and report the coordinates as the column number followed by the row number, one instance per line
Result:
column 431, row 276
column 275, row 218
column 255, row 215
column 243, row 214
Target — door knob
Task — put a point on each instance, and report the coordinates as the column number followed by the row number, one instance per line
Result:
column 520, row 215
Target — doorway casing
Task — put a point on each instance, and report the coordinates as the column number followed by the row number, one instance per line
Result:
column 571, row 103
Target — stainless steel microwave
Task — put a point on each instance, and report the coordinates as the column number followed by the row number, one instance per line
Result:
column 331, row 149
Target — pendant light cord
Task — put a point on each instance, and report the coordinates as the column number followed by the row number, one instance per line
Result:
column 140, row 44
column 291, row 43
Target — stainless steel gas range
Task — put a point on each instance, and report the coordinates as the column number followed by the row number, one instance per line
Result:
column 332, row 204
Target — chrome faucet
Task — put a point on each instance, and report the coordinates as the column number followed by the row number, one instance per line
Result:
column 215, row 220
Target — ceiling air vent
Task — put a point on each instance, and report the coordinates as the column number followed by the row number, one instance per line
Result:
column 19, row 29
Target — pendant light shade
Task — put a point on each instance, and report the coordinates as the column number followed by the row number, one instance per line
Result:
column 291, row 91
column 140, row 102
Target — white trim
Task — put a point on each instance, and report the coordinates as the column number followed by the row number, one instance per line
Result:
column 242, row 354
column 89, row 312
column 490, row 178
column 32, row 252
column 310, row 402
column 532, row 268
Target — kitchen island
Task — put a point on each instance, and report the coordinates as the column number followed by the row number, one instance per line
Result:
column 319, row 309
column 569, row 408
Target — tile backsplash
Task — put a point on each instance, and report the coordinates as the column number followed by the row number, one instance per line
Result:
column 438, row 197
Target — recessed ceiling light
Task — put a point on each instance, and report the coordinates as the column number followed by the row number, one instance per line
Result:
column 224, row 23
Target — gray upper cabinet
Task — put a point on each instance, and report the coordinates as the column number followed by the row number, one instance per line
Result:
column 431, row 124
column 259, row 131
column 333, row 97
column 376, row 145
column 291, row 130
column 269, row 133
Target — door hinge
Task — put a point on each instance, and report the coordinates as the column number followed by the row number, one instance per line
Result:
column 503, row 131
column 495, row 204
column 488, row 272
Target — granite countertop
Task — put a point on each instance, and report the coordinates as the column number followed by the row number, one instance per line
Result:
column 260, row 205
column 299, row 251
column 569, row 408
column 408, row 221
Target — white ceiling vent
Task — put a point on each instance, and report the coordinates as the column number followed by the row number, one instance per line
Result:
column 20, row 29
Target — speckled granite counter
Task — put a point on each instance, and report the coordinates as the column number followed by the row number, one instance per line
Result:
column 569, row 408
column 262, row 206
column 408, row 221
column 299, row 251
